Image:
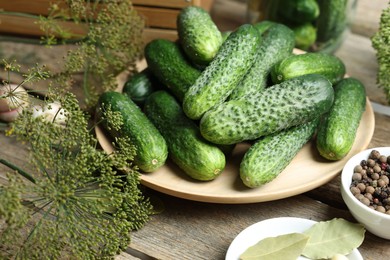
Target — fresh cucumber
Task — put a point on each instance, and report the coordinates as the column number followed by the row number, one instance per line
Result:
column 337, row 132
column 324, row 64
column 277, row 44
column 278, row 107
column 225, row 35
column 198, row 34
column 263, row 26
column 169, row 64
column 197, row 157
column 299, row 11
column 270, row 155
column 151, row 147
column 222, row 75
column 305, row 36
column 140, row 85
column 332, row 19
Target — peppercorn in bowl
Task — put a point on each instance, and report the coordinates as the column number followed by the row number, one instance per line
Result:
column 365, row 189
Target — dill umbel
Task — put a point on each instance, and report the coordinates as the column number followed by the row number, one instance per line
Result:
column 73, row 200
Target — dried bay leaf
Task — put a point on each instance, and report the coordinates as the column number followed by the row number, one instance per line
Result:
column 336, row 236
column 288, row 246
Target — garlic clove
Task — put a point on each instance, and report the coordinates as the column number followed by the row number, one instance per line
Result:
column 52, row 112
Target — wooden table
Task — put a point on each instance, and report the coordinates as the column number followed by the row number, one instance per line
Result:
column 198, row 230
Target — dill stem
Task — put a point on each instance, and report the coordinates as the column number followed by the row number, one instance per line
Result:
column 85, row 82
column 17, row 169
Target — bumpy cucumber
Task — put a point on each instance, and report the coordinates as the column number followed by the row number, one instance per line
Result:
column 198, row 34
column 278, row 107
column 222, row 75
column 270, row 155
column 324, row 64
column 169, row 64
column 277, row 44
column 140, row 85
column 337, row 132
column 152, row 150
column 187, row 148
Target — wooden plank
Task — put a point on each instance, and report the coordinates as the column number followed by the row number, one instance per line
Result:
column 228, row 15
column 206, row 4
column 154, row 17
column 158, row 17
column 152, row 33
column 29, row 7
column 194, row 230
column 28, row 26
column 165, row 3
column 42, row 6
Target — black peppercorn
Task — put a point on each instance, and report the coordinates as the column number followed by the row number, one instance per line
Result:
column 370, row 182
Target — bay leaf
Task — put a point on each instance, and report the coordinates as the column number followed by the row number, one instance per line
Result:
column 286, row 247
column 336, row 236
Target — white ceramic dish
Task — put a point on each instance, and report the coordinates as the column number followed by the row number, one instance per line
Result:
column 375, row 222
column 270, row 228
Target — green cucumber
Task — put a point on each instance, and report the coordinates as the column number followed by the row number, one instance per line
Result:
column 198, row 34
column 332, row 19
column 152, row 150
column 263, row 26
column 169, row 64
column 140, row 85
column 197, row 157
column 337, row 132
column 299, row 11
column 277, row 44
column 229, row 66
column 225, row 35
column 278, row 107
column 270, row 155
column 305, row 36
column 324, row 64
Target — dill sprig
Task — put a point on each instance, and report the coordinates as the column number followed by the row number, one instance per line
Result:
column 74, row 200
column 381, row 43
column 112, row 43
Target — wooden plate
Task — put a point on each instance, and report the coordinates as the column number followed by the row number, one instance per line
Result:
column 307, row 171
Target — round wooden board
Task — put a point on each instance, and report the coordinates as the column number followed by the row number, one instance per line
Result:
column 307, row 171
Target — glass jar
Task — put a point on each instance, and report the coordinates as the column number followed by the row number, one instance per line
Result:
column 318, row 25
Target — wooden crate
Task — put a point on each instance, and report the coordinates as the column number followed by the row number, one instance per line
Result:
column 160, row 17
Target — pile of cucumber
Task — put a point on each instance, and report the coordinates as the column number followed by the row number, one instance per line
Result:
column 203, row 94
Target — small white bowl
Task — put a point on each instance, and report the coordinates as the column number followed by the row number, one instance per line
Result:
column 375, row 222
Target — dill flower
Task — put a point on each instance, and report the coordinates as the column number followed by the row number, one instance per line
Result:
column 113, row 43
column 75, row 201
column 14, row 97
